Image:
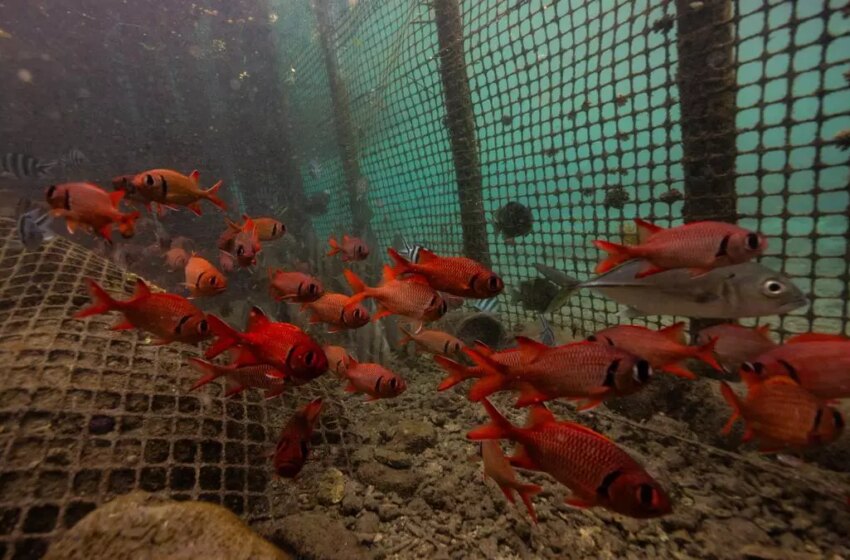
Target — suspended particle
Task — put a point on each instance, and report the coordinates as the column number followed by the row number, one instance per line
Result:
column 616, row 197
column 842, row 139
column 671, row 196
column 25, row 76
column 663, row 24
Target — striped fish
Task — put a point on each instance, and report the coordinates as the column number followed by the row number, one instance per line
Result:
column 547, row 335
column 74, row 158
column 410, row 252
column 489, row 305
column 23, row 166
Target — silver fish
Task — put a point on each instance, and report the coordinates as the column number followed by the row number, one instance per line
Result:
column 547, row 335
column 34, row 228
column 23, row 166
column 731, row 292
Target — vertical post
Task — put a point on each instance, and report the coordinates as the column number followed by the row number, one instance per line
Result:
column 706, row 79
column 461, row 125
column 342, row 120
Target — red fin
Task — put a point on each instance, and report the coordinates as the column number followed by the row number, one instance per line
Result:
column 482, row 348
column 530, row 349
column 195, row 207
column 526, row 492
column 233, row 390
column 387, row 274
column 275, row 391
column 402, row 265
column 127, row 223
column 679, row 371
column 647, row 227
column 195, row 175
column 457, row 372
column 539, row 415
column 115, row 198
column 123, row 325
column 734, row 402
column 815, row 337
column 257, row 319
column 498, row 428
column 335, row 248
column 521, row 459
column 589, row 404
column 210, row 371
column 617, row 254
column 102, row 302
column 227, row 336
column 493, row 381
column 211, row 194
column 426, row 256
column 350, row 388
column 357, row 285
column 578, row 503
column 706, row 354
column 648, row 270
column 529, row 396
column 764, row 330
column 106, row 232
column 676, row 332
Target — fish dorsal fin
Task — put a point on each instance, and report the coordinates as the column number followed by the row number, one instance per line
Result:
column 249, row 225
column 257, row 319
column 246, row 217
column 647, row 227
column 530, row 349
column 195, row 175
column 584, row 430
column 482, row 348
column 426, row 256
column 417, row 279
column 816, row 337
column 676, row 332
column 539, row 415
column 115, row 197
column 387, row 274
column 142, row 289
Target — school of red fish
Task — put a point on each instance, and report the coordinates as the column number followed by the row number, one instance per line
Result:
column 788, row 406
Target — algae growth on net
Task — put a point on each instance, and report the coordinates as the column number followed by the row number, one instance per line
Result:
column 455, row 278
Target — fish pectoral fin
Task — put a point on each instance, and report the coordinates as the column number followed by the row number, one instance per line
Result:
column 195, row 207
column 521, row 460
column 529, row 396
column 123, row 325
column 679, row 371
column 578, row 503
column 161, row 342
column 350, row 388
column 589, row 405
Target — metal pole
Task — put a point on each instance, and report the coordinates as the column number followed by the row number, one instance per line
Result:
column 342, row 120
column 461, row 124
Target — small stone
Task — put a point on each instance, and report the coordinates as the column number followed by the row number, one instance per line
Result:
column 394, row 459
column 362, row 455
column 352, row 501
column 388, row 512
column 367, row 523
column 386, row 479
column 331, row 487
column 414, row 436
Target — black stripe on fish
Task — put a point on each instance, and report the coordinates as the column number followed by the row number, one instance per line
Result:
column 610, row 375
column 446, row 347
column 67, row 202
column 164, row 187
column 378, row 384
column 818, row 418
column 472, row 280
column 792, row 371
column 605, row 485
column 724, row 247
column 289, row 354
column 198, row 281
column 182, row 322
column 610, row 342
column 298, row 291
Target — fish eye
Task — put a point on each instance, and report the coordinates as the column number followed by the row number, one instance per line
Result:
column 50, row 191
column 313, row 289
column 753, row 241
column 646, row 495
column 494, row 283
column 838, row 419
column 149, row 180
column 203, row 326
column 213, row 281
column 240, row 250
column 642, row 371
column 309, row 357
column 393, row 383
column 773, row 288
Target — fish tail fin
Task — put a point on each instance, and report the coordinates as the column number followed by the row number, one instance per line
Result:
column 211, row 194
column 526, row 492
column 705, row 353
column 567, row 283
column 457, row 372
column 402, row 265
column 617, row 254
column 210, row 371
column 494, row 379
column 498, row 428
column 354, row 281
column 227, row 336
column 102, row 302
column 127, row 223
column 734, row 402
column 334, row 245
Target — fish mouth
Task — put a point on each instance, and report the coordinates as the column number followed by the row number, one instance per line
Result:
column 793, row 304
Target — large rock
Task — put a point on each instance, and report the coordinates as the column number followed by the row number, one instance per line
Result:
column 315, row 536
column 141, row 524
column 414, row 436
column 387, row 479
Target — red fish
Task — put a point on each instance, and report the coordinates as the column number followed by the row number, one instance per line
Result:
column 170, row 188
column 87, row 205
column 170, row 317
column 352, row 248
column 497, row 467
column 458, row 276
column 435, row 342
column 663, row 348
column 243, row 243
column 781, row 414
column 239, row 378
column 374, row 380
column 458, row 372
column 268, row 229
column 411, row 297
column 582, row 371
column 820, row 363
column 336, row 311
column 281, row 345
column 698, row 246
column 736, row 344
column 293, row 447
column 338, row 359
column 598, row 473
column 176, row 258
column 295, row 287
column 203, row 279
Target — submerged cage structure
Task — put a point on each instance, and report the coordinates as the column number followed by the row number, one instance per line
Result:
column 420, row 119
